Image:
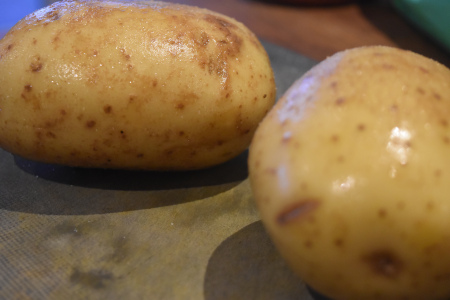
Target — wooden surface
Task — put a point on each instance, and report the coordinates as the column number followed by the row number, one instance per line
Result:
column 319, row 31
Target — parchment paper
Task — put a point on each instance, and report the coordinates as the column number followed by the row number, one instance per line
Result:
column 68, row 233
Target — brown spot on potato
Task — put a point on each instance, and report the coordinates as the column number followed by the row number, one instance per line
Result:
column 10, row 46
column 90, row 124
column 420, row 91
column 63, row 112
column 438, row 173
column 297, row 211
column 388, row 67
column 394, row 108
column 338, row 242
column 308, row 244
column 384, row 263
column 181, row 133
column 27, row 88
column 446, row 140
column 180, row 106
column 340, row 101
column 52, row 15
column 382, row 213
column 125, row 54
column 437, row 96
column 335, row 138
column 444, row 123
column 203, row 40
column 36, row 66
column 361, row 127
column 340, row 159
column 107, row 109
column 50, row 134
column 424, row 70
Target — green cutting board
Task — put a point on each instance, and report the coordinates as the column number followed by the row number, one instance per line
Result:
column 431, row 16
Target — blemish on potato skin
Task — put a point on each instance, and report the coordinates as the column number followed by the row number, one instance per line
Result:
column 36, row 65
column 338, row 242
column 388, row 67
column 335, row 138
column 107, row 109
column 424, row 70
column 361, row 127
column 91, row 124
column 394, row 108
column 27, row 88
column 50, row 134
column 437, row 96
column 382, row 213
column 384, row 263
column 308, row 244
column 340, row 101
column 297, row 211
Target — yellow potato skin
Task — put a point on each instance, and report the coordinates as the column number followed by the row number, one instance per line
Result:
column 350, row 172
column 139, row 85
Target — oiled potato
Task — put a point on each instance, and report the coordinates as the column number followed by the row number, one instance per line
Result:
column 144, row 85
column 351, row 173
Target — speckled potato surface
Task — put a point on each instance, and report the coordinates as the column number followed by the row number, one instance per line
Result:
column 351, row 171
column 142, row 85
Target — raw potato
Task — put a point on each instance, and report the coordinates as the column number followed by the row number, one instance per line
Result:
column 142, row 85
column 351, row 173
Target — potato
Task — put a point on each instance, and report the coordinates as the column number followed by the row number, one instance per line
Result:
column 351, row 171
column 139, row 85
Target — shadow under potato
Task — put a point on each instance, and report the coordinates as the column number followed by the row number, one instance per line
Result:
column 247, row 266
column 59, row 190
column 130, row 180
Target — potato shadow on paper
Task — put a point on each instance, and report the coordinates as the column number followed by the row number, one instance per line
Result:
column 247, row 266
column 38, row 188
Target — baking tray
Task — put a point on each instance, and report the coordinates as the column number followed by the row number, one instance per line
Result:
column 72, row 233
